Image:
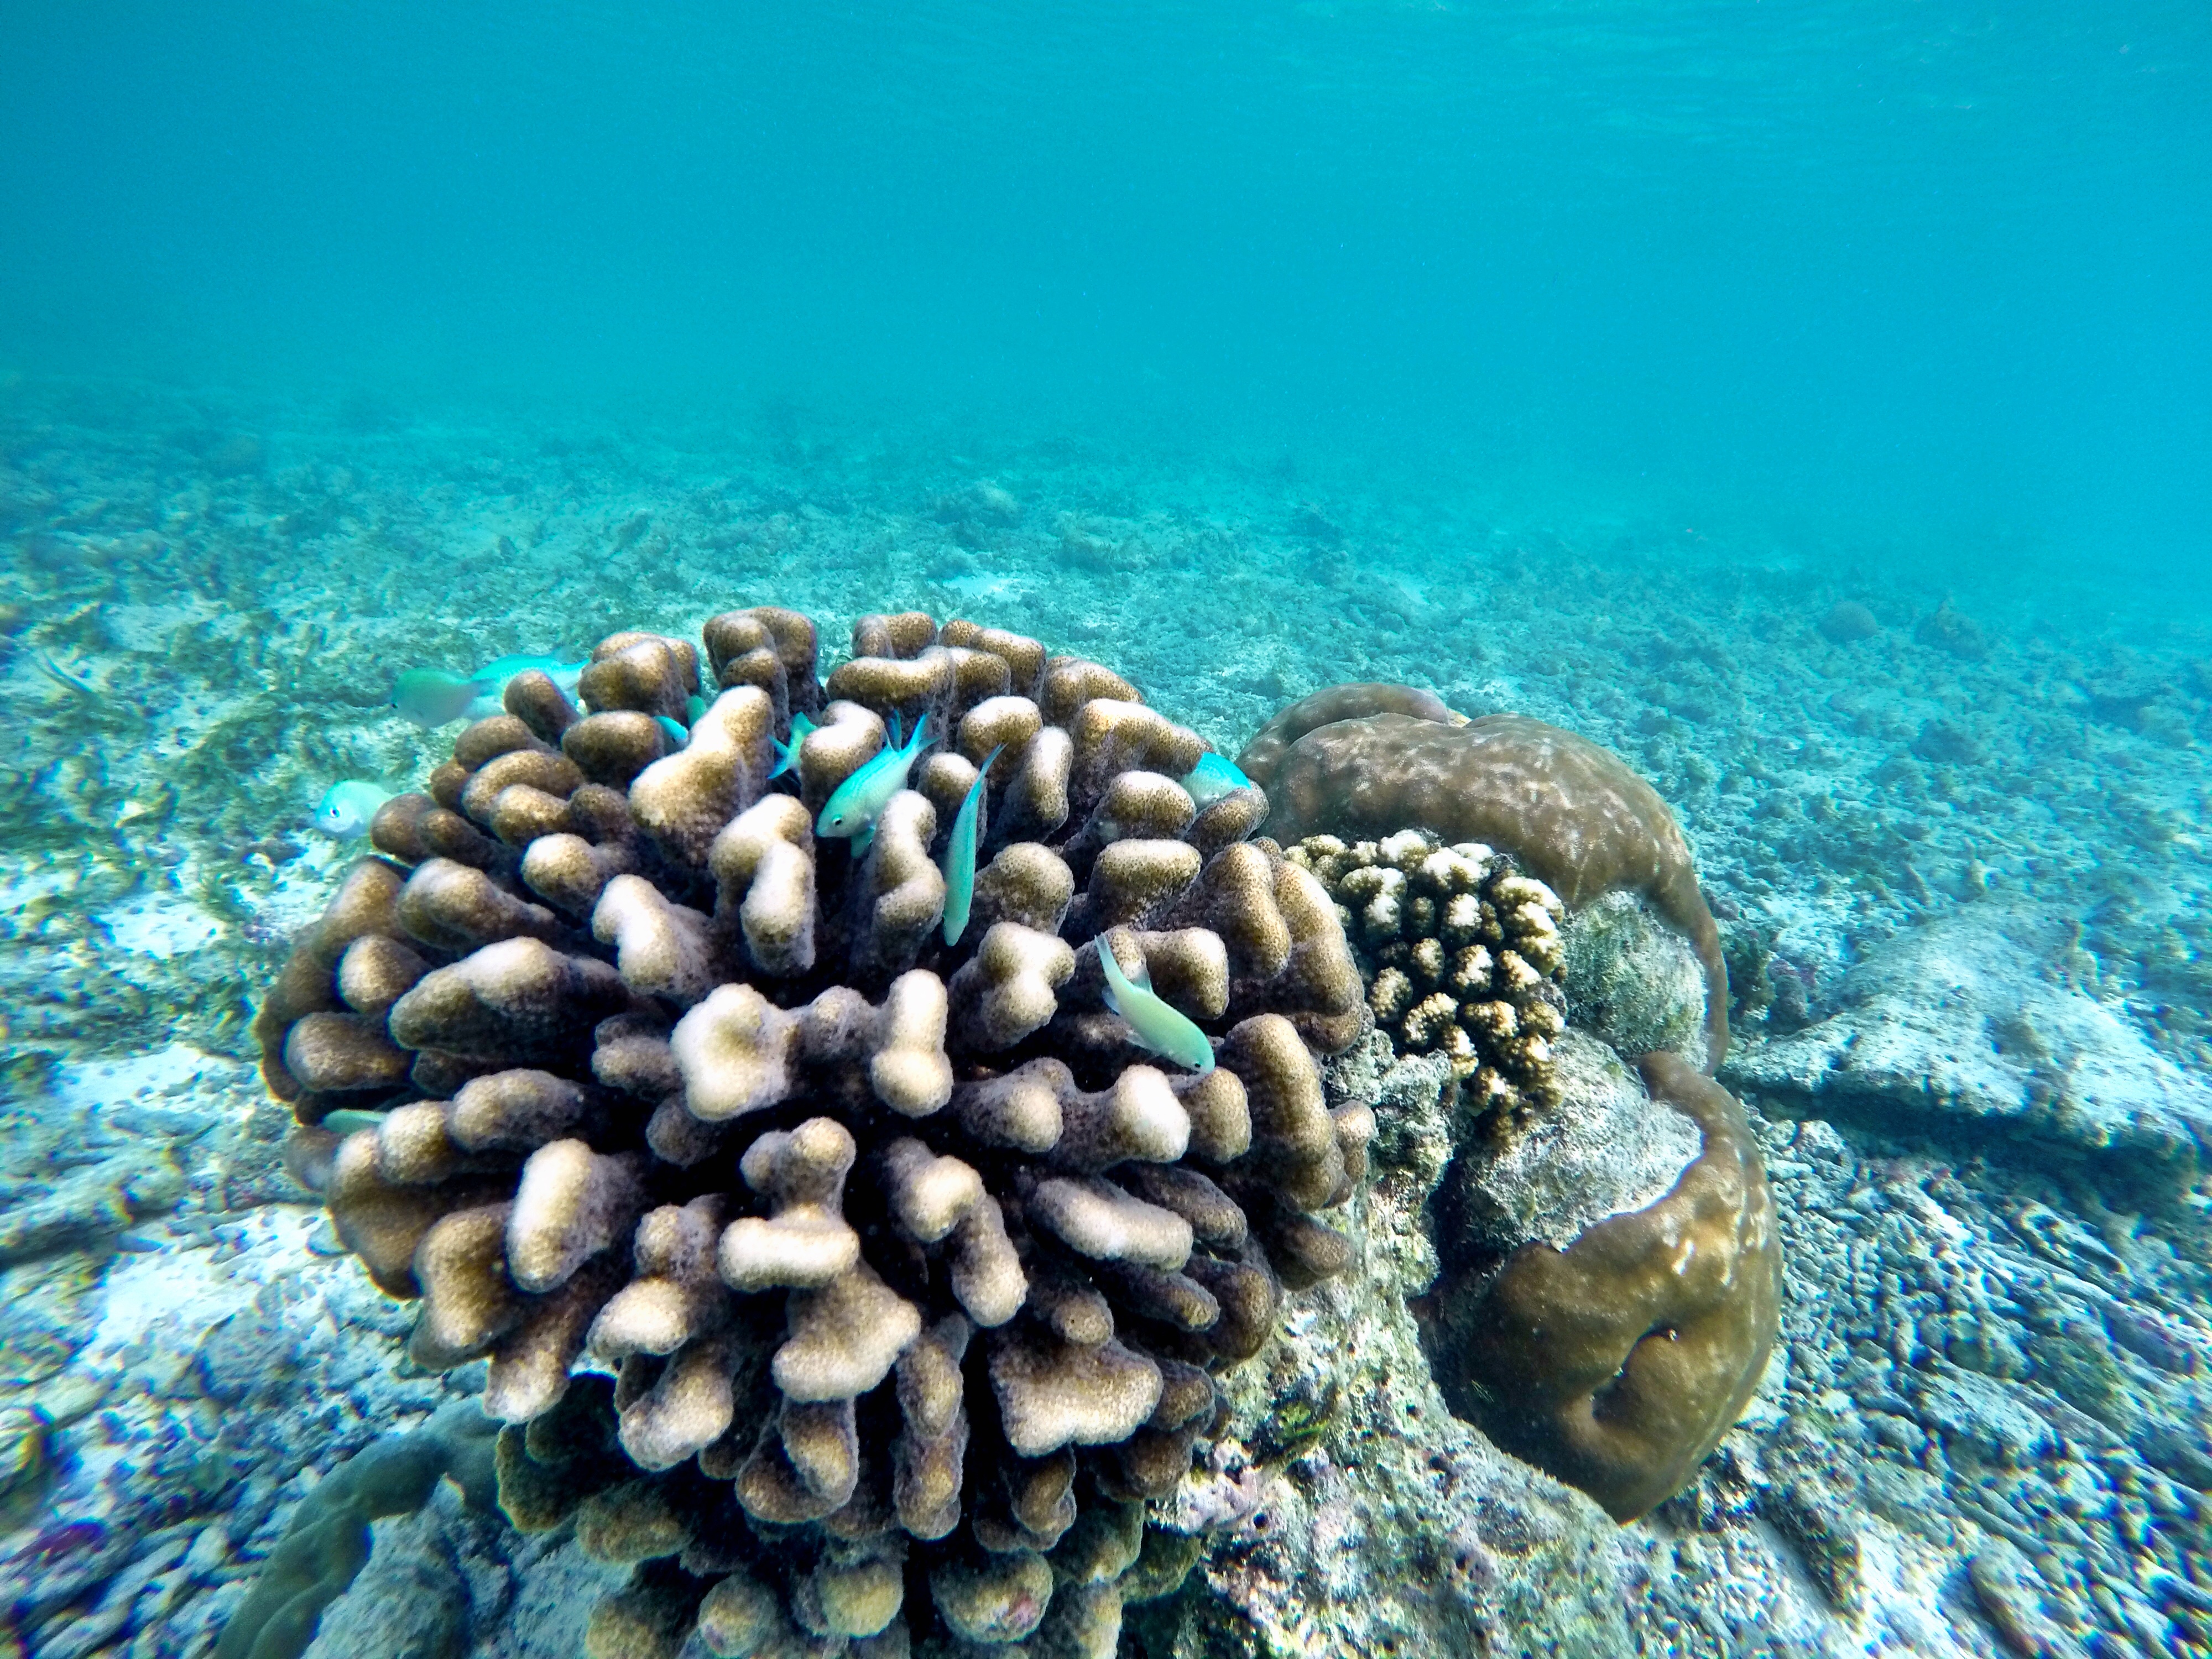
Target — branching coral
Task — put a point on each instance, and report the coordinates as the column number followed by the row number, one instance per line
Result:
column 1361, row 761
column 911, row 1266
column 1462, row 957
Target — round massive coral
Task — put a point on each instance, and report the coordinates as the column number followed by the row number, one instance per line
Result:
column 905, row 1272
column 1363, row 761
column 1610, row 1270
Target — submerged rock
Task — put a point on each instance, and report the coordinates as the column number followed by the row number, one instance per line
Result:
column 1967, row 1026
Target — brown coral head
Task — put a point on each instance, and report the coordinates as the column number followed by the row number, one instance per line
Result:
column 1617, row 1364
column 1575, row 815
column 916, row 1269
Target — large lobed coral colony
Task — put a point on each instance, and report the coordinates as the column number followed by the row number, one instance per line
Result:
column 1614, row 1352
column 1462, row 955
column 854, row 1286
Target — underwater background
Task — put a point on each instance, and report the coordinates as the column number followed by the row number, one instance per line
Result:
column 1810, row 402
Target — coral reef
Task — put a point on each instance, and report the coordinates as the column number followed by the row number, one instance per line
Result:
column 1463, row 956
column 913, row 1269
column 1568, row 1320
column 1617, row 1361
column 1362, row 761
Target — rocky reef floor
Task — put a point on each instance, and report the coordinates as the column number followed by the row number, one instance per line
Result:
column 1950, row 810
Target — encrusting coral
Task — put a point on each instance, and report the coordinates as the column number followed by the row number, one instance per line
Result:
column 1361, row 761
column 911, row 1264
column 1462, row 957
column 327, row 1543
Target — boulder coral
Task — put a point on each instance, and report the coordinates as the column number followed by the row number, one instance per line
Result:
column 1360, row 761
column 1610, row 1275
column 905, row 1271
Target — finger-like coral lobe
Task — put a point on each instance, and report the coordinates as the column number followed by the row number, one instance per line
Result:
column 914, row 1266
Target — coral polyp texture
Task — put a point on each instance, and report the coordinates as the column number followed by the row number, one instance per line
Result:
column 904, row 1270
column 1361, row 761
column 1618, row 1361
column 1610, row 1274
column 1462, row 955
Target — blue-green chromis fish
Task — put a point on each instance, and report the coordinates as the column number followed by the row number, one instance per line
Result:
column 787, row 753
column 673, row 731
column 347, row 1120
column 1167, row 1031
column 853, row 809
column 960, row 854
column 347, row 807
column 1214, row 776
column 431, row 698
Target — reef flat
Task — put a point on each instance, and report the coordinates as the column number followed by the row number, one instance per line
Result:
column 1950, row 831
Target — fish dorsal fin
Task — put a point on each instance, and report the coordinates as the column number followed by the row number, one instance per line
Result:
column 891, row 730
column 1110, row 965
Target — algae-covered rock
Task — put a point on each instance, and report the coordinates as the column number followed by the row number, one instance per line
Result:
column 1354, row 1513
column 327, row 1543
column 1967, row 1026
column 1632, row 981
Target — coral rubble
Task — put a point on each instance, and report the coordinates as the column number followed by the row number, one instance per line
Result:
column 911, row 1271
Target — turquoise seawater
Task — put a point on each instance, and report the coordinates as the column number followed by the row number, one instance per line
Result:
column 1809, row 401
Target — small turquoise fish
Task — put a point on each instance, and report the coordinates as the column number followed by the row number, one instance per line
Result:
column 853, row 809
column 673, row 730
column 498, row 672
column 431, row 698
column 347, row 807
column 1165, row 1030
column 959, row 864
column 787, row 753
column 694, row 707
column 1214, row 776
column 347, row 1120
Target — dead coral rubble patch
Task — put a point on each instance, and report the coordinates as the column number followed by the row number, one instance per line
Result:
column 911, row 1271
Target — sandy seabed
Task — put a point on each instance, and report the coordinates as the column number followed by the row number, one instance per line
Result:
column 1950, row 813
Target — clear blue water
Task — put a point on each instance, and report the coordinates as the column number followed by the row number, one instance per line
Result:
column 1942, row 263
